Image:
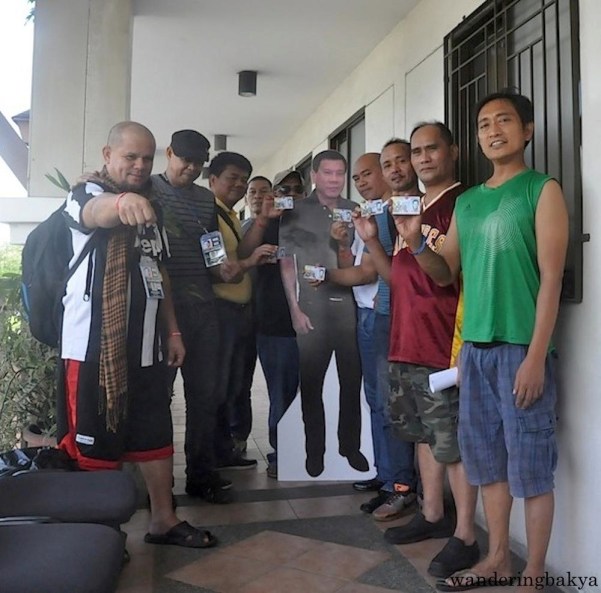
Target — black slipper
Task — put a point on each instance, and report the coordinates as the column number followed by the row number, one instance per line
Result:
column 466, row 580
column 183, row 534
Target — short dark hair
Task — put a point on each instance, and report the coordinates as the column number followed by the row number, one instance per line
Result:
column 260, row 178
column 397, row 141
column 224, row 159
column 521, row 103
column 445, row 132
column 327, row 155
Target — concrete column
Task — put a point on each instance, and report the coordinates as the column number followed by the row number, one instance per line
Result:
column 81, row 82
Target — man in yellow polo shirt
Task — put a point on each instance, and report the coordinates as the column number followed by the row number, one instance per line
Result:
column 228, row 178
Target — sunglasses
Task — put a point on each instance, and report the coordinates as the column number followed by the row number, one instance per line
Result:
column 290, row 189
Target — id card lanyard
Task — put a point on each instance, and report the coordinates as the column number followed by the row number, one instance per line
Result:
column 149, row 266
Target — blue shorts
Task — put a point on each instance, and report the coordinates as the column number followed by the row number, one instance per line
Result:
column 498, row 441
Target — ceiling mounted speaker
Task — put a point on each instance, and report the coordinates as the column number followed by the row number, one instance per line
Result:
column 220, row 142
column 247, row 83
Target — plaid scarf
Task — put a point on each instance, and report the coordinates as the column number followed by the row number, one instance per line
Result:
column 113, row 337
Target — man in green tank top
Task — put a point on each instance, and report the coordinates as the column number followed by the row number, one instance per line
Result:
column 508, row 238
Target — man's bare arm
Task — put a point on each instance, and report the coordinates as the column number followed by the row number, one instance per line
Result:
column 552, row 232
column 367, row 229
column 108, row 210
column 443, row 267
column 300, row 321
column 365, row 273
column 254, row 236
column 175, row 345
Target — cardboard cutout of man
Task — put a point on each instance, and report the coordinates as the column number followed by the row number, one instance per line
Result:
column 323, row 317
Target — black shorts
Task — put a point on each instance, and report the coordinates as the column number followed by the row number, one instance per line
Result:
column 146, row 432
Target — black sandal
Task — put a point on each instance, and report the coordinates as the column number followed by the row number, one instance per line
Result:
column 183, row 534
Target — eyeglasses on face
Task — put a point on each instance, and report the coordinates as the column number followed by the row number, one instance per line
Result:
column 290, row 189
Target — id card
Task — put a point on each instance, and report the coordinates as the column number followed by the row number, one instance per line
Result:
column 372, row 208
column 213, row 249
column 278, row 255
column 283, row 203
column 152, row 278
column 342, row 215
column 314, row 273
column 406, row 205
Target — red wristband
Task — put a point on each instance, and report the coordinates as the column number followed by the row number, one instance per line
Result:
column 261, row 225
column 119, row 199
column 173, row 334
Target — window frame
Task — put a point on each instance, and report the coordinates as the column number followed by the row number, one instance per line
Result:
column 493, row 31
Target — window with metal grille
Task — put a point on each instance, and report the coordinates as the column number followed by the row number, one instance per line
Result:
column 349, row 139
column 531, row 45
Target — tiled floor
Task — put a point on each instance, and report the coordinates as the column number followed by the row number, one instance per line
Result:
column 276, row 537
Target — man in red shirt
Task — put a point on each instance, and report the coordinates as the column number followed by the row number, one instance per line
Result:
column 423, row 339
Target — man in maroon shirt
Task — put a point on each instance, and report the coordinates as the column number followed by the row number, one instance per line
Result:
column 424, row 338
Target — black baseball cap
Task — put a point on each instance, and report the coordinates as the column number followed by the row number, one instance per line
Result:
column 191, row 145
column 279, row 177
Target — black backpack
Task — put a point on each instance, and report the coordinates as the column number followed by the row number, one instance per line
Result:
column 45, row 272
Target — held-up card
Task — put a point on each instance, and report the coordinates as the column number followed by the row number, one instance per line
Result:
column 283, row 203
column 406, row 205
column 213, row 249
column 342, row 215
column 279, row 254
column 377, row 206
column 314, row 273
column 372, row 208
column 152, row 278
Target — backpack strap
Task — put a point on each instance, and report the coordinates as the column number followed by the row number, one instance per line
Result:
column 87, row 249
column 224, row 216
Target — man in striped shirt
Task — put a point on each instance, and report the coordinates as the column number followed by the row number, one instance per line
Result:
column 189, row 212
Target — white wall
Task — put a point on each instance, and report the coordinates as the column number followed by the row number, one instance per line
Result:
column 401, row 82
column 378, row 84
column 576, row 541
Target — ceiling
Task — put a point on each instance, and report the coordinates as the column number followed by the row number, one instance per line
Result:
column 187, row 53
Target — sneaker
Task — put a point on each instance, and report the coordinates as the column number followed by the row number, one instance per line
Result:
column 395, row 505
column 455, row 556
column 272, row 470
column 238, row 462
column 418, row 529
column 372, row 485
column 373, row 503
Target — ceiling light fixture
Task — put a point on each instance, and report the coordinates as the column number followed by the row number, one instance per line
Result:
column 220, row 142
column 247, row 83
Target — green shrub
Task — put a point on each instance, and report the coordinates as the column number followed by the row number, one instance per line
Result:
column 27, row 370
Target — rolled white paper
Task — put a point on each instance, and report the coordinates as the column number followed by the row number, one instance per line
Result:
column 443, row 379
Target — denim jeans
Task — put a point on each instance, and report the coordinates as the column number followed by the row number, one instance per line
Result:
column 367, row 350
column 394, row 457
column 279, row 360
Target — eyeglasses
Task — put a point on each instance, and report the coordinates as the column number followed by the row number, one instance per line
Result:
column 290, row 189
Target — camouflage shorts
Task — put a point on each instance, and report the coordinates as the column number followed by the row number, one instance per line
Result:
column 421, row 416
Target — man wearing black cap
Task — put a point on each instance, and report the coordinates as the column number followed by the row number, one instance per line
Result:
column 190, row 213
